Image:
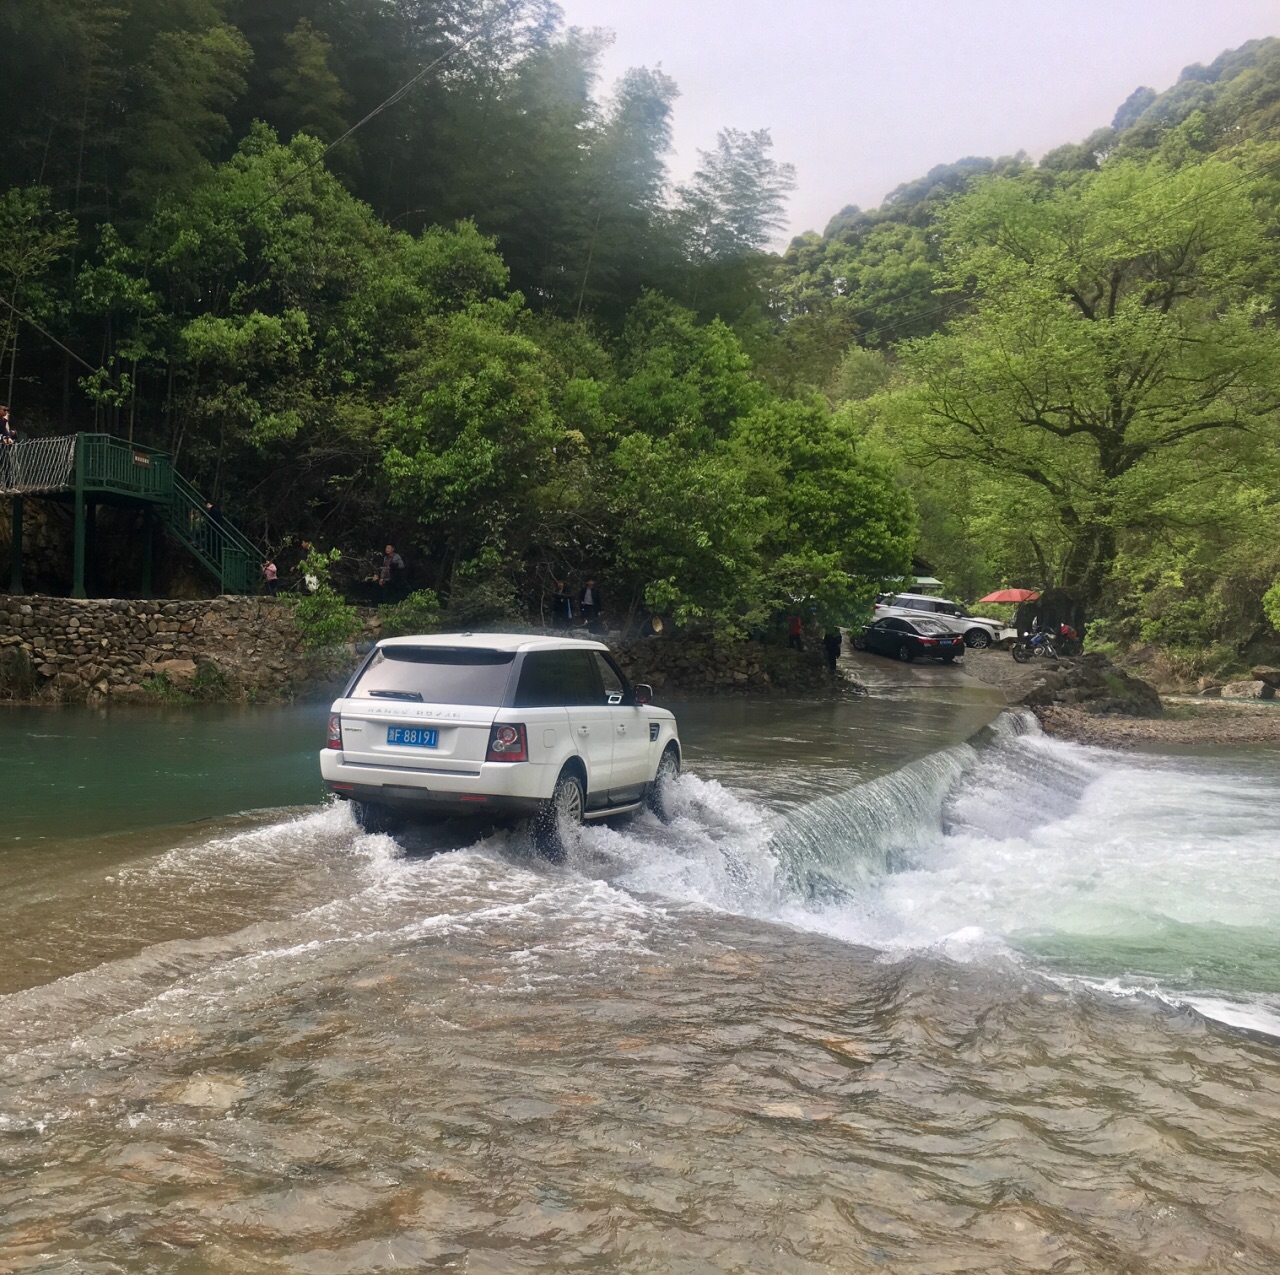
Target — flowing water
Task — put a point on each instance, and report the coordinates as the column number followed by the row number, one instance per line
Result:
column 904, row 986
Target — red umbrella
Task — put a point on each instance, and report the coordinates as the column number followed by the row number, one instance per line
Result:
column 1011, row 595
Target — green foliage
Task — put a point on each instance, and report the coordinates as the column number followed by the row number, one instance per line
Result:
column 483, row 594
column 1114, row 345
column 1271, row 606
column 490, row 331
column 418, row 613
column 161, row 688
column 324, row 618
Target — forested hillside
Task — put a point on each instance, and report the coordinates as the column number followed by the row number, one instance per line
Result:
column 1076, row 362
column 489, row 326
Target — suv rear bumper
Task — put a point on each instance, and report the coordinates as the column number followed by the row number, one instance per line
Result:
column 425, row 801
column 507, row 788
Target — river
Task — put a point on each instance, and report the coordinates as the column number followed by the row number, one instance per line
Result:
column 905, row 986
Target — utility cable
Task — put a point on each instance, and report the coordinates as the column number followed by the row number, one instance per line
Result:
column 385, row 105
column 391, row 101
column 22, row 314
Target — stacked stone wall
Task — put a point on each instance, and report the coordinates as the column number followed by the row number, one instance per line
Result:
column 73, row 650
column 231, row 648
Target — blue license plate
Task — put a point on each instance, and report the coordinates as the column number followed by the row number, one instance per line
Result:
column 413, row 736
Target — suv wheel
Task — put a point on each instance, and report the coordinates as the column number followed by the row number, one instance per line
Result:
column 978, row 639
column 560, row 815
column 374, row 819
column 668, row 770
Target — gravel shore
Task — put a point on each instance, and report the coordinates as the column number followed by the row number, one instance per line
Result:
column 1212, row 722
column 1184, row 722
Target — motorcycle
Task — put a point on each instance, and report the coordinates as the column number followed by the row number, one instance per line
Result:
column 1040, row 643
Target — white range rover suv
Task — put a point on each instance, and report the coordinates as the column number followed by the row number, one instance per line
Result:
column 502, row 725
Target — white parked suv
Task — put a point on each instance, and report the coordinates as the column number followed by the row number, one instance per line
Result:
column 979, row 631
column 503, row 725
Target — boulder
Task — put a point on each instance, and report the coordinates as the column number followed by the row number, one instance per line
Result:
column 1092, row 683
column 1256, row 689
column 1209, row 685
column 1265, row 673
column 180, row 673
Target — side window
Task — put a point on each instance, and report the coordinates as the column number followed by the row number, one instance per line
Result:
column 614, row 690
column 558, row 679
column 895, row 625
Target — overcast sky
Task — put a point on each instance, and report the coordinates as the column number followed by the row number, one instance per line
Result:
column 862, row 95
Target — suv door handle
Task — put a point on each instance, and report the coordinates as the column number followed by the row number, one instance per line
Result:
column 622, row 728
column 584, row 730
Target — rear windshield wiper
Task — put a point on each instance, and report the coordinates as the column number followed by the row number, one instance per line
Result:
column 409, row 695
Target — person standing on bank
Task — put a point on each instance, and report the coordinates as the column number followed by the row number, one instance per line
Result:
column 391, row 577
column 591, row 604
column 561, row 606
column 795, row 632
column 271, row 575
column 832, row 641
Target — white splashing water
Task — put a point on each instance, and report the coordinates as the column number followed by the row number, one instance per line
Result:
column 1137, row 875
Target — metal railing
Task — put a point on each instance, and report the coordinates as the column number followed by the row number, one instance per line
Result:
column 90, row 465
column 234, row 559
column 38, row 466
column 113, row 465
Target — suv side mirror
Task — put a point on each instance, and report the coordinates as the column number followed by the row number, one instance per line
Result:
column 644, row 693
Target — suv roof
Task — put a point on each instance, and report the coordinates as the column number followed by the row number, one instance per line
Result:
column 513, row 642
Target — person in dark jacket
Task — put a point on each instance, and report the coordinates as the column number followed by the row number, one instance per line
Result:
column 832, row 641
column 392, row 576
column 561, row 606
column 8, row 449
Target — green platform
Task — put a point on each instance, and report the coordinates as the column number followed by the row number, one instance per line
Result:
column 99, row 469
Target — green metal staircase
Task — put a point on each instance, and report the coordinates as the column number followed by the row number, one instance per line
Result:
column 94, row 469
column 233, row 560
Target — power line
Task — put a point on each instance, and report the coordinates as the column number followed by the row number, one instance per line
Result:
column 385, row 105
column 391, row 101
column 22, row 314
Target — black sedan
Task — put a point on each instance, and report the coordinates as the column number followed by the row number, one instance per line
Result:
column 910, row 638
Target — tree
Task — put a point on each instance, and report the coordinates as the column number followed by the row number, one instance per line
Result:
column 1116, row 357
column 836, row 523
column 33, row 239
column 311, row 98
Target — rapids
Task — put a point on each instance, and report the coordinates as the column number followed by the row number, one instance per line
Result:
column 903, row 986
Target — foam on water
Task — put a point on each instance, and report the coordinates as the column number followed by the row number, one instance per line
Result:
column 1137, row 875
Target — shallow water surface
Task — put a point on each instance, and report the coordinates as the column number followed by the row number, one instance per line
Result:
column 897, row 989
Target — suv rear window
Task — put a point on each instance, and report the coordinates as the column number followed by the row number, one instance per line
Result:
column 436, row 675
column 558, row 679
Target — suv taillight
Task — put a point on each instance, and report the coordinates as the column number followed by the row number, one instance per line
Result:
column 507, row 743
column 335, row 731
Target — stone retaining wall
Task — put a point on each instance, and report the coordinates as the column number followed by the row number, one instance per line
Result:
column 231, row 648
column 73, row 650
